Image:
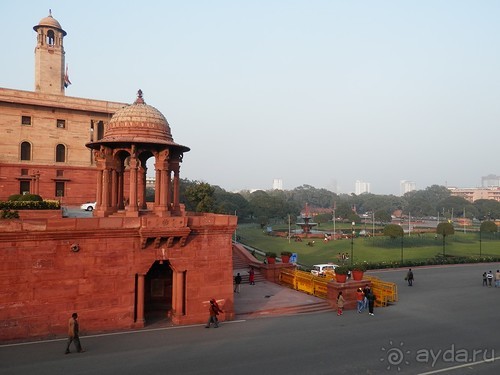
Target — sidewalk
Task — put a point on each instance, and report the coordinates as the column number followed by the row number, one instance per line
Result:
column 266, row 298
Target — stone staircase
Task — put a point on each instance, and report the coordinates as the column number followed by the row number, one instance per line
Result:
column 242, row 265
column 267, row 298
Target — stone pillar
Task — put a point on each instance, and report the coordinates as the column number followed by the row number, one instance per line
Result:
column 133, row 209
column 114, row 189
column 178, row 288
column 105, row 189
column 99, row 188
column 176, row 207
column 140, row 300
column 141, row 187
column 157, row 187
column 121, row 204
column 348, row 292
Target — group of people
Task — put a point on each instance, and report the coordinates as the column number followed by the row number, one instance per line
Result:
column 364, row 299
column 343, row 257
column 488, row 279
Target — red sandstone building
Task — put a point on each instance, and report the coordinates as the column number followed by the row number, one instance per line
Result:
column 44, row 132
column 128, row 264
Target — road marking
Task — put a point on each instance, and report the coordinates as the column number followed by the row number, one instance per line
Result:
column 119, row 333
column 460, row 366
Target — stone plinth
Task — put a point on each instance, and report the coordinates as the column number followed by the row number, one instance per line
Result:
column 348, row 292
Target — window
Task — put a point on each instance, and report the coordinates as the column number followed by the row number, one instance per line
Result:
column 100, row 130
column 25, row 151
column 24, row 187
column 26, row 120
column 60, row 153
column 50, row 37
column 59, row 188
column 61, row 124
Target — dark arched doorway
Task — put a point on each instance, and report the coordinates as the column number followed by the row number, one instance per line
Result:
column 158, row 292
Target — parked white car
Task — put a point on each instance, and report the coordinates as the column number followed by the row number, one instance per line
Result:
column 321, row 269
column 89, row 206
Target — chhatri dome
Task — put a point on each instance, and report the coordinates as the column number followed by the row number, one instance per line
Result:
column 139, row 123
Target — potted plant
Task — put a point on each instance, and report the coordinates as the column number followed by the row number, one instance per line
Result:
column 341, row 273
column 358, row 269
column 285, row 256
column 271, row 257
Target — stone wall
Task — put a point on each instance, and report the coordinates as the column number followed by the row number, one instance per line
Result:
column 50, row 268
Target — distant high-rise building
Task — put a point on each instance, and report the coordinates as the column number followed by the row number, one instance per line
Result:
column 277, row 184
column 406, row 186
column 490, row 181
column 361, row 187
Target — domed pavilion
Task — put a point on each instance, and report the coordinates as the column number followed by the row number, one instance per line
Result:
column 134, row 134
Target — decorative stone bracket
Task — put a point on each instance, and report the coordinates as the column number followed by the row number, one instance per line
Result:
column 166, row 238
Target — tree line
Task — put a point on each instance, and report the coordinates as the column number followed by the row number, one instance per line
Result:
column 272, row 206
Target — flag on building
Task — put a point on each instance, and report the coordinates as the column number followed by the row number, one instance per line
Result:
column 67, row 82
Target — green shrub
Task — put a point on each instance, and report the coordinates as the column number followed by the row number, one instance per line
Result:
column 8, row 214
column 30, row 205
column 342, row 270
column 31, row 198
column 15, row 197
column 271, row 254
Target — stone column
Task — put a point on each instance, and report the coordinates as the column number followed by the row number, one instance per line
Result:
column 114, row 189
column 178, row 288
column 140, row 300
column 133, row 207
column 99, row 188
column 141, row 187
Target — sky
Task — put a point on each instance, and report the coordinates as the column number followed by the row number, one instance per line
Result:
column 312, row 92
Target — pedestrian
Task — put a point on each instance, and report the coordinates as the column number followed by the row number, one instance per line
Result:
column 360, row 296
column 489, row 276
column 237, row 283
column 497, row 279
column 251, row 276
column 485, row 279
column 409, row 277
column 340, row 304
column 371, row 302
column 73, row 334
column 366, row 290
column 214, row 310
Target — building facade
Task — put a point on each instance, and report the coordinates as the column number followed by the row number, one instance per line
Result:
column 44, row 132
column 129, row 264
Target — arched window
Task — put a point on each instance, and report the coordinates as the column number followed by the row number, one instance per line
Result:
column 60, row 153
column 25, row 151
column 50, row 37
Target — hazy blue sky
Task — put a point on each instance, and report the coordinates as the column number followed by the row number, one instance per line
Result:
column 313, row 92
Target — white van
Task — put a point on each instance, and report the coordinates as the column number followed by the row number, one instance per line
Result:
column 321, row 269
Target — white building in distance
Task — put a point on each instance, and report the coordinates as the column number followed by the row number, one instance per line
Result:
column 406, row 186
column 277, row 184
column 361, row 187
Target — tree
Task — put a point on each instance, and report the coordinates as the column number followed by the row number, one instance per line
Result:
column 201, row 196
column 488, row 227
column 445, row 229
column 393, row 231
column 382, row 216
column 487, row 209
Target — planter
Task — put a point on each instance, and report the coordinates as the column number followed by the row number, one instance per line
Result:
column 285, row 258
column 357, row 275
column 340, row 278
column 271, row 260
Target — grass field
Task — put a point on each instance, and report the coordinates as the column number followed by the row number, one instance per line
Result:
column 373, row 249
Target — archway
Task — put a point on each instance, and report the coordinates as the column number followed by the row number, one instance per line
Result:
column 158, row 292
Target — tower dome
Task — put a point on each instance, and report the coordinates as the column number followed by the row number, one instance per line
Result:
column 50, row 21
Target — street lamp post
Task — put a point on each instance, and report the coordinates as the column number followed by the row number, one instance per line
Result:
column 480, row 244
column 352, row 240
column 402, row 237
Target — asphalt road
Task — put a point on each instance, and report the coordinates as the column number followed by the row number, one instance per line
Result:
column 446, row 323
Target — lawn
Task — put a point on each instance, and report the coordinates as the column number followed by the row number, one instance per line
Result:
column 372, row 249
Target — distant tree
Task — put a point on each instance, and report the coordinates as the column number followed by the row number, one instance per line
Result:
column 445, row 229
column 382, row 216
column 488, row 227
column 393, row 230
column 487, row 209
column 201, row 196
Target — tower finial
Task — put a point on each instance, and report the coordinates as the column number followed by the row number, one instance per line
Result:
column 50, row 12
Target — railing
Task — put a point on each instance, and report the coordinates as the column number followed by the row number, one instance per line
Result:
column 384, row 291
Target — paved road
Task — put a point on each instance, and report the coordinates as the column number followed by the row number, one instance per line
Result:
column 442, row 322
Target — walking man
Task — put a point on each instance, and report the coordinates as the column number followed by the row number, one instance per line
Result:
column 409, row 277
column 489, row 276
column 237, row 283
column 497, row 279
column 214, row 310
column 73, row 334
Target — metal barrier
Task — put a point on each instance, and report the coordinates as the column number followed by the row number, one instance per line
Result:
column 384, row 291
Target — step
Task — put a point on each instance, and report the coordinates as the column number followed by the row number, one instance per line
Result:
column 288, row 310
